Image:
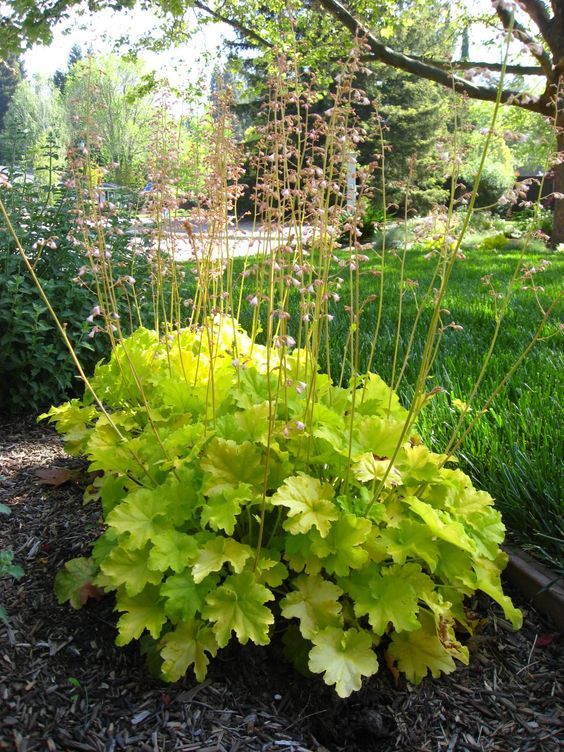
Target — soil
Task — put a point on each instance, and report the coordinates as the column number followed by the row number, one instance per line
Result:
column 64, row 685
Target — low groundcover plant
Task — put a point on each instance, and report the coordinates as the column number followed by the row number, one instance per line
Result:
column 242, row 489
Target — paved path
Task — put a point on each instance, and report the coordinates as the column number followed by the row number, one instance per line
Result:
column 245, row 239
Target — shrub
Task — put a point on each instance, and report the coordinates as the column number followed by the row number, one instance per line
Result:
column 241, row 488
column 36, row 368
column 494, row 242
column 494, row 182
column 7, row 566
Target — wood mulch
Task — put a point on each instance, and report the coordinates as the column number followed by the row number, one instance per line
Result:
column 65, row 686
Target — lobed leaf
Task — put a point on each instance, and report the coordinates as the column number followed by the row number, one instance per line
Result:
column 141, row 517
column 129, row 569
column 72, row 578
column 315, row 602
column 218, row 552
column 238, row 606
column 422, row 651
column 308, row 502
column 143, row 611
column 187, row 645
column 342, row 549
column 343, row 657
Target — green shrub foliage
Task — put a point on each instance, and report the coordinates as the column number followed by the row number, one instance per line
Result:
column 235, row 496
column 494, row 182
column 7, row 566
column 36, row 369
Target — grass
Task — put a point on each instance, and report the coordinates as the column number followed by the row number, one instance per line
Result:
column 515, row 449
column 514, row 452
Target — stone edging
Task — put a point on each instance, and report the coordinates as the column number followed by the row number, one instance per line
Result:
column 543, row 588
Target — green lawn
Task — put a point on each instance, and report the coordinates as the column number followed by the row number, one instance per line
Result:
column 515, row 451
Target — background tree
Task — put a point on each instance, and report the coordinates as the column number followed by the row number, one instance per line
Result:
column 414, row 111
column 539, row 27
column 105, row 98
column 60, row 76
column 34, row 121
column 10, row 76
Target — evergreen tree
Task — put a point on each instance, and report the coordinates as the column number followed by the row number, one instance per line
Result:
column 10, row 76
column 60, row 77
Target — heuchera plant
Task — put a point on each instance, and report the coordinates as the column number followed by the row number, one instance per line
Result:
column 239, row 487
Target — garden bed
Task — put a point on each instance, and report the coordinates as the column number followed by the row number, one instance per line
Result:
column 65, row 686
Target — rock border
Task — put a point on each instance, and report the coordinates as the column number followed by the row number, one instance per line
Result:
column 544, row 588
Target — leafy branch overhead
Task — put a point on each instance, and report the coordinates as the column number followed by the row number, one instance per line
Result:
column 551, row 65
column 27, row 22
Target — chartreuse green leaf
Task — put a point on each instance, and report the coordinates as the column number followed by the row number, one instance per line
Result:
column 468, row 574
column 140, row 517
column 144, row 611
column 309, row 504
column 129, row 569
column 440, row 524
column 104, row 545
column 253, row 388
column 377, row 398
column 238, row 606
column 187, row 646
column 228, row 464
column 181, row 495
column 328, row 425
column 315, row 602
column 368, row 468
column 184, row 598
column 72, row 578
column 113, row 490
column 221, row 510
column 218, row 552
column 253, row 422
column 468, row 501
column 342, row 548
column 106, row 450
column 72, row 419
column 172, row 550
column 418, row 465
column 299, row 555
column 182, row 440
column 409, row 539
column 269, row 571
column 343, row 657
column 486, row 530
column 389, row 596
column 488, row 574
column 376, row 436
column 426, row 649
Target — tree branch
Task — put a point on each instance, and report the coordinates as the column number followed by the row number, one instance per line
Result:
column 519, row 32
column 538, row 11
column 249, row 33
column 387, row 55
column 518, row 70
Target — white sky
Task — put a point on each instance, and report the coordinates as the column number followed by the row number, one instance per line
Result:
column 100, row 31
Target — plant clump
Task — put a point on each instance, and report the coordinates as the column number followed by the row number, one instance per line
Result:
column 241, row 489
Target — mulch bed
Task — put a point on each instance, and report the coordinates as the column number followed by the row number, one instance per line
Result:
column 65, row 686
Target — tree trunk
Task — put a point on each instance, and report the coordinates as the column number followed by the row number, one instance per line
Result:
column 558, row 220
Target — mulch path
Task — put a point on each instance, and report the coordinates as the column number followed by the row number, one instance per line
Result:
column 65, row 686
